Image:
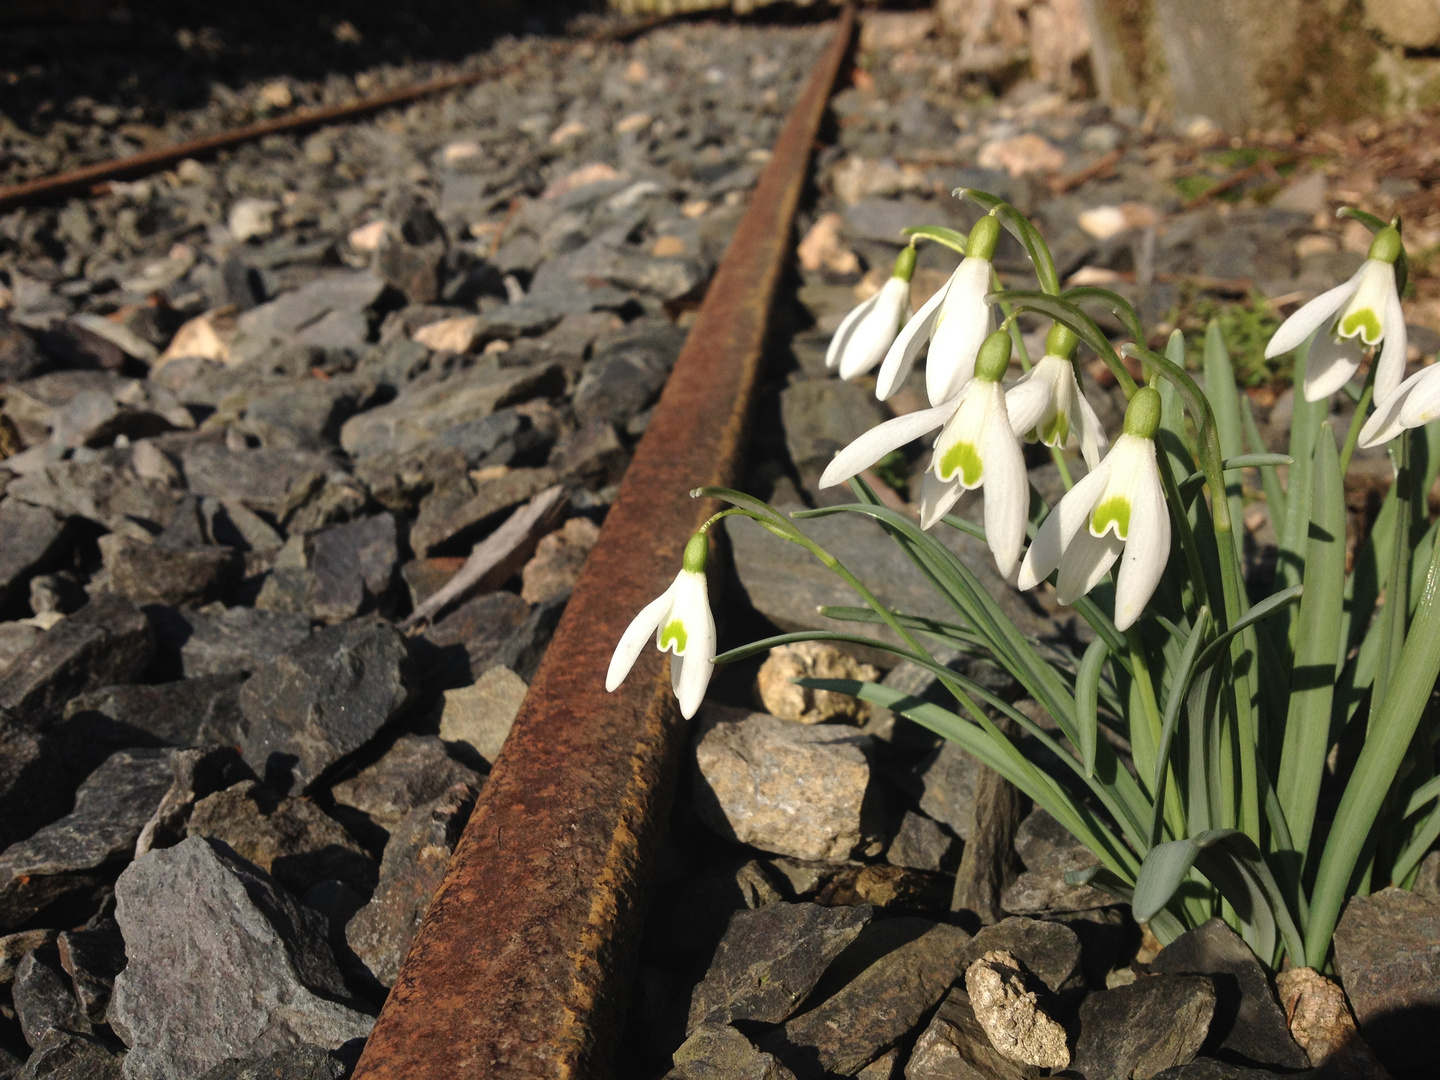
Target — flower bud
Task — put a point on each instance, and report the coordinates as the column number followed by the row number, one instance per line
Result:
column 994, row 357
column 983, row 238
column 1142, row 415
column 1061, row 341
column 697, row 550
column 905, row 263
column 1386, row 245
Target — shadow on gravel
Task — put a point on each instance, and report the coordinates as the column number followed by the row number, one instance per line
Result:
column 162, row 55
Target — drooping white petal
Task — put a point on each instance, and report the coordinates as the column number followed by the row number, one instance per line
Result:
column 632, row 642
column 845, row 329
column 1093, row 440
column 1147, row 549
column 1390, row 369
column 692, row 607
column 957, row 449
column 912, row 338
column 881, row 439
column 964, row 321
column 1007, row 488
column 1085, row 562
column 875, row 333
column 1029, row 399
column 1059, row 529
column 1303, row 323
column 936, row 498
column 1386, row 421
column 1331, row 364
column 1422, row 397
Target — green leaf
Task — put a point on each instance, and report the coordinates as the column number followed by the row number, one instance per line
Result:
column 1179, row 689
column 1164, row 870
column 1087, row 688
column 1116, row 304
column 1269, row 478
column 1225, row 402
column 1164, row 924
column 1269, row 606
column 1294, row 530
column 1234, row 865
column 956, row 241
column 1387, row 740
column 1317, row 643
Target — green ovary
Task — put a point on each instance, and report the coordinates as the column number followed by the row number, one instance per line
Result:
column 1361, row 322
column 1056, row 431
column 1114, row 509
column 673, row 634
column 965, row 459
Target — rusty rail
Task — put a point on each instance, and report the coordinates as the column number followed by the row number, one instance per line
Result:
column 521, row 966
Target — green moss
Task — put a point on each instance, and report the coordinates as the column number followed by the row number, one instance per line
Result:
column 1247, row 326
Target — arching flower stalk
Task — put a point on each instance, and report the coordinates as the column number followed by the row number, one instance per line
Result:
column 1118, row 508
column 867, row 333
column 683, row 625
column 1046, row 401
column 977, row 446
column 1352, row 317
column 954, row 321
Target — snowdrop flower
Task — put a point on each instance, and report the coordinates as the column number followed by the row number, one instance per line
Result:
column 955, row 321
column 977, row 447
column 1045, row 401
column 1351, row 317
column 1415, row 402
column 681, row 621
column 868, row 332
column 1119, row 507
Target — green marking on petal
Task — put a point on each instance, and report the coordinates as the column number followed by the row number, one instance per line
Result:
column 1360, row 320
column 673, row 635
column 1116, row 510
column 965, row 459
column 1056, row 431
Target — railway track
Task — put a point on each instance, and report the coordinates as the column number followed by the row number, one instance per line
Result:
column 521, row 966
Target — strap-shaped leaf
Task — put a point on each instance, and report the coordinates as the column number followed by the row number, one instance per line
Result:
column 1179, row 688
column 1087, row 689
column 1225, row 402
column 1164, row 924
column 1317, row 641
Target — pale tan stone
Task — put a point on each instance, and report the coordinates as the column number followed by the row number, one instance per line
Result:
column 667, row 247
column 812, row 660
column 822, row 248
column 1017, row 1026
column 456, row 335
column 367, row 237
column 207, row 336
column 558, row 560
column 480, row 715
column 1321, row 1023
column 1022, row 155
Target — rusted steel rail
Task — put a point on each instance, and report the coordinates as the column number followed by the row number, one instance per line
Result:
column 521, row 966
column 85, row 179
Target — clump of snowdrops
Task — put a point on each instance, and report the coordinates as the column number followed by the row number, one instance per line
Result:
column 1232, row 704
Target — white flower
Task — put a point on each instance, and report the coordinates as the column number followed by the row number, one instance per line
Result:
column 1045, row 400
column 977, row 447
column 868, row 332
column 1415, row 402
column 681, row 621
column 1119, row 507
column 954, row 321
column 1350, row 318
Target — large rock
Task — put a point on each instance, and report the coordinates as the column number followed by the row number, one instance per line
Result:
column 60, row 870
column 106, row 642
column 1248, row 1023
column 34, row 538
column 955, row 1047
column 301, row 1062
column 1014, row 1016
column 413, row 867
column 823, row 416
column 787, row 585
column 258, row 973
column 31, row 793
column 627, row 370
column 494, row 628
column 259, row 477
column 783, row 787
column 354, row 567
column 420, row 414
column 92, row 956
column 190, row 712
column 452, row 519
column 323, row 700
column 912, row 962
column 44, row 1002
column 1387, row 950
column 1049, row 950
column 218, row 640
column 719, row 1052
column 1138, row 1031
column 160, row 574
column 196, row 773
column 291, row 839
column 413, row 771
column 478, row 718
column 769, row 960
column 944, row 782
